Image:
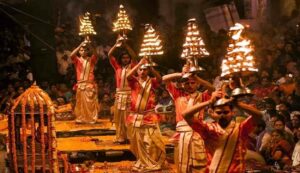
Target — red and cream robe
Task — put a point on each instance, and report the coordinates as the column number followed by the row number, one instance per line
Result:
column 227, row 147
column 84, row 69
column 123, row 91
column 145, row 137
column 86, row 108
column 190, row 153
column 122, row 99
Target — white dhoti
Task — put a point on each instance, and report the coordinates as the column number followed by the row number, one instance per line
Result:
column 190, row 151
column 122, row 102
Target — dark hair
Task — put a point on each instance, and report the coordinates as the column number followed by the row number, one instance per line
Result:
column 280, row 118
column 270, row 101
column 261, row 123
column 227, row 104
column 280, row 132
column 88, row 49
column 124, row 53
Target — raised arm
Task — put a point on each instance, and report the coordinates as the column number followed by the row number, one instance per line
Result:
column 110, row 53
column 130, row 51
column 74, row 52
column 188, row 114
column 205, row 83
column 169, row 77
column 135, row 68
column 156, row 74
column 255, row 113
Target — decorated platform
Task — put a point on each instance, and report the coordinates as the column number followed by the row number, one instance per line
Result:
column 94, row 142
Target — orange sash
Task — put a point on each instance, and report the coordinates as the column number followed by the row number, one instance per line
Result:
column 142, row 101
column 223, row 155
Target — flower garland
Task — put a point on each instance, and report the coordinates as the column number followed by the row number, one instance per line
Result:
column 31, row 97
column 42, row 121
column 24, row 135
column 32, row 135
column 13, row 141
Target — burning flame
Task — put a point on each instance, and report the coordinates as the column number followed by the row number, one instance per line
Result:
column 122, row 22
column 239, row 54
column 86, row 27
column 151, row 43
column 193, row 45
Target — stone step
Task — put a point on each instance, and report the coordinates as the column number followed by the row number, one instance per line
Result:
column 102, row 127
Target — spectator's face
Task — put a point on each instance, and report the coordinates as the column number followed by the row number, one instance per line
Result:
column 20, row 90
column 264, row 82
column 53, row 88
column 295, row 121
column 275, row 137
column 288, row 48
column 279, row 125
column 272, row 121
column 125, row 59
column 10, row 88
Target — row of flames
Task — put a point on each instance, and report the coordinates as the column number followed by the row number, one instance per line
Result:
column 239, row 58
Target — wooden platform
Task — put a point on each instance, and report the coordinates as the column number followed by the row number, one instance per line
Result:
column 63, row 126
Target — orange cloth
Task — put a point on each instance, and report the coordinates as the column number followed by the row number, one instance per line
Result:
column 213, row 134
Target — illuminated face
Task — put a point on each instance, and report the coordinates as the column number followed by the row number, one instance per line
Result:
column 125, row 59
column 143, row 72
column 223, row 114
column 82, row 52
column 191, row 85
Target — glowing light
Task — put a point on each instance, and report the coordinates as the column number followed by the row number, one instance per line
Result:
column 151, row 44
column 122, row 22
column 239, row 53
column 193, row 45
column 86, row 27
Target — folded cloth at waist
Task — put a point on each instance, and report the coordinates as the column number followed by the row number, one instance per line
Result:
column 83, row 84
column 182, row 126
column 146, row 118
column 126, row 89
